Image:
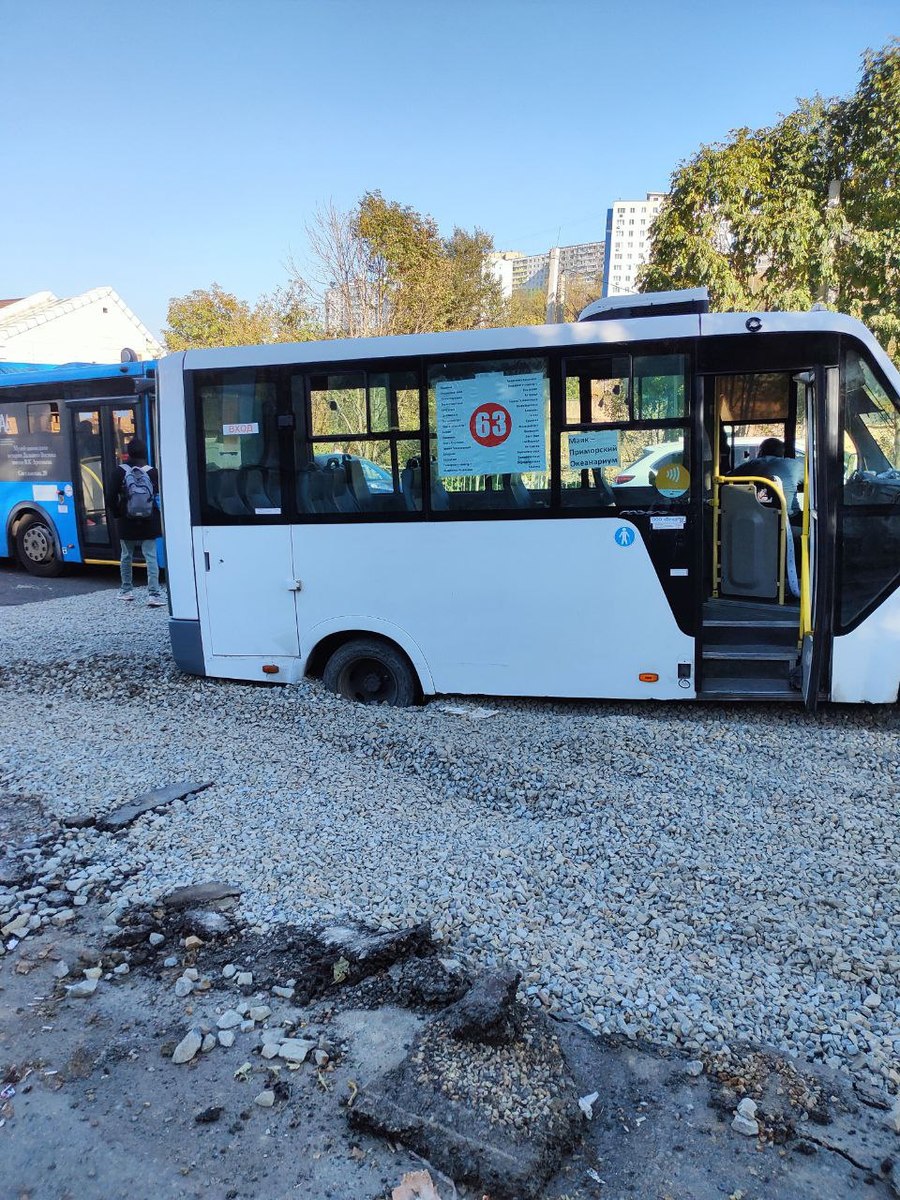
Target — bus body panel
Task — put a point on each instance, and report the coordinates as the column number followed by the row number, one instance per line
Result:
column 16, row 499
column 248, row 601
column 174, row 472
column 542, row 608
column 865, row 665
column 40, row 470
column 503, row 606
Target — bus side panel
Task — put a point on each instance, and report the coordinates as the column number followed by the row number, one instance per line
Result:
column 173, row 473
column 18, row 497
column 866, row 662
column 509, row 608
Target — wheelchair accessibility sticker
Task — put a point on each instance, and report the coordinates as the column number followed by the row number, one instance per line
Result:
column 624, row 536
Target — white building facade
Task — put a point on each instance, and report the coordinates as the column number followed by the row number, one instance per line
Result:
column 94, row 327
column 628, row 225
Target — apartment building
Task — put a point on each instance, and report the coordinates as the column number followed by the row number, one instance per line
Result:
column 516, row 271
column 628, row 225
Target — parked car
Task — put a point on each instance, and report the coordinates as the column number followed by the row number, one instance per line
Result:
column 377, row 478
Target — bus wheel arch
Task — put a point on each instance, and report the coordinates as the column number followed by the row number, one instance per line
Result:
column 35, row 542
column 368, row 668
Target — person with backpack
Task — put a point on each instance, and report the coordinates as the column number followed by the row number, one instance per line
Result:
column 133, row 492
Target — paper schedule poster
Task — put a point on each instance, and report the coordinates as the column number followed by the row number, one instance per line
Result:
column 588, row 450
column 492, row 424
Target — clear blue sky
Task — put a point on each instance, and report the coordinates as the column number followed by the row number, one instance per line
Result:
column 159, row 146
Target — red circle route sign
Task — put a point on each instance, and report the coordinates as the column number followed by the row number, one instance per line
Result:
column 490, row 424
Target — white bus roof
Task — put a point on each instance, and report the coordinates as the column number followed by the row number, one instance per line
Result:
column 585, row 333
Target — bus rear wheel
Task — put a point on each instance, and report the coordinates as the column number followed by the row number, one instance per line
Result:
column 371, row 672
column 36, row 548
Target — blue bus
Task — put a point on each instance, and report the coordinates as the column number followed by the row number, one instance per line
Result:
column 63, row 429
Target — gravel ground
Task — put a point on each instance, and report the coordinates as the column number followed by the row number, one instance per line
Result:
column 693, row 875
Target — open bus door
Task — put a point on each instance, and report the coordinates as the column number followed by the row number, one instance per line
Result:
column 821, row 392
column 101, row 429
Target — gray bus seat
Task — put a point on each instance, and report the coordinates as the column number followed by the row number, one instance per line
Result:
column 338, row 496
column 229, row 498
column 750, row 543
column 311, row 489
column 257, row 495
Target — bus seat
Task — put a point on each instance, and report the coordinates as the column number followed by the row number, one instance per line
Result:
column 255, row 492
column 272, row 485
column 602, row 488
column 356, row 481
column 411, row 485
column 211, row 483
column 516, row 493
column 311, row 489
column 750, row 543
column 229, row 499
column 440, row 497
column 341, row 498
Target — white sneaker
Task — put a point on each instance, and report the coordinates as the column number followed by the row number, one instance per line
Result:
column 155, row 602
column 126, row 595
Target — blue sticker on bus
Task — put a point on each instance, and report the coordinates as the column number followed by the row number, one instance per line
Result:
column 624, row 536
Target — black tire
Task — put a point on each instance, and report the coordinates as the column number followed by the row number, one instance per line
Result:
column 371, row 672
column 36, row 547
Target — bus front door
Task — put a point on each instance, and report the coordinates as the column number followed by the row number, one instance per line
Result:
column 818, row 536
column 101, row 433
column 91, row 466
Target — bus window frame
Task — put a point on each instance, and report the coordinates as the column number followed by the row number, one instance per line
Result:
column 289, row 430
column 837, row 494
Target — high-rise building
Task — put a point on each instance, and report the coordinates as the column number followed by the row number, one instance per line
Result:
column 628, row 242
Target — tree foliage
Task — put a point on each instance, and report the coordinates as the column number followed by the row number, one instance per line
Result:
column 807, row 210
column 385, row 268
column 213, row 317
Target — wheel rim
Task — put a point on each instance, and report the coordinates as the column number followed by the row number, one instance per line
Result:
column 369, row 681
column 37, row 544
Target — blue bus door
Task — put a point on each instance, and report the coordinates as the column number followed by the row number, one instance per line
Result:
column 100, row 432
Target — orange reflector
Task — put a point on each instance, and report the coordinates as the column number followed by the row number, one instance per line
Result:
column 648, row 677
column 270, row 669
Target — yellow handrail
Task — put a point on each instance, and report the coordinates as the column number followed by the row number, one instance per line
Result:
column 775, row 485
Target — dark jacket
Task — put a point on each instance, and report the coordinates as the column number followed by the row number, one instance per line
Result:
column 133, row 529
column 788, row 472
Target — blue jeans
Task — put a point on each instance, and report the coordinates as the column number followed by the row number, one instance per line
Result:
column 148, row 548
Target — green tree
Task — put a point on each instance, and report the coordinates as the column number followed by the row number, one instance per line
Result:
column 384, row 268
column 214, row 317
column 807, row 210
column 474, row 296
column 868, row 261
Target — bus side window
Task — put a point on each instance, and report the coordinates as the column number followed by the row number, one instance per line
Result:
column 624, row 438
column 490, row 433
column 239, row 446
column 43, row 418
column 355, row 442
